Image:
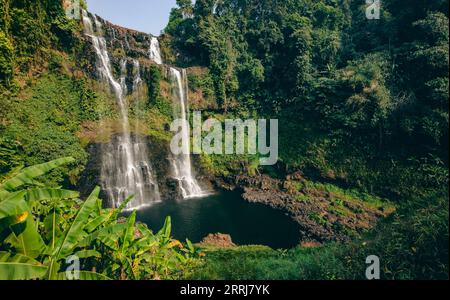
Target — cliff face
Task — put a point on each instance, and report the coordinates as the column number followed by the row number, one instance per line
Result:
column 124, row 43
column 150, row 107
column 131, row 44
column 158, row 156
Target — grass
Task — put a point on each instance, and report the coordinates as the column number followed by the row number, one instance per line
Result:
column 263, row 263
column 339, row 197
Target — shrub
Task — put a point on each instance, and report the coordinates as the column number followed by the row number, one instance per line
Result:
column 6, row 59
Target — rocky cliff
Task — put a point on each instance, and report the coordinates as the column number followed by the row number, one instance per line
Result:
column 150, row 110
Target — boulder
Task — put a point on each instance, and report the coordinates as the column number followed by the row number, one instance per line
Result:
column 218, row 240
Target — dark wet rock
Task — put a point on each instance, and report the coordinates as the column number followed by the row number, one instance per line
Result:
column 173, row 191
column 296, row 176
column 159, row 158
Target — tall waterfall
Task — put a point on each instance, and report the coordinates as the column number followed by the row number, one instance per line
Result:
column 182, row 166
column 125, row 168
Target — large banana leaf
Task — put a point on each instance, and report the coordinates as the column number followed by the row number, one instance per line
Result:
column 26, row 239
column 148, row 240
column 49, row 194
column 75, row 232
column 8, row 176
column 122, row 206
column 190, row 245
column 85, row 275
column 27, row 175
column 129, row 232
column 88, row 254
column 165, row 232
column 13, row 210
column 109, row 236
column 20, row 267
column 14, row 204
column 6, row 223
column 3, row 194
column 53, row 229
column 69, row 240
column 97, row 222
column 145, row 231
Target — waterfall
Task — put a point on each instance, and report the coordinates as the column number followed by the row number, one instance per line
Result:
column 139, row 145
column 155, row 51
column 125, row 168
column 137, row 80
column 182, row 166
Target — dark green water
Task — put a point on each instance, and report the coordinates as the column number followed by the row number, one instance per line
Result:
column 226, row 212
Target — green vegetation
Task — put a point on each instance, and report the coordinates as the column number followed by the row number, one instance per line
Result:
column 202, row 81
column 43, row 228
column 225, row 165
column 262, row 263
column 43, row 121
column 348, row 87
column 340, row 196
column 44, row 96
column 33, row 28
column 363, row 110
column 154, row 84
column 6, row 58
column 354, row 111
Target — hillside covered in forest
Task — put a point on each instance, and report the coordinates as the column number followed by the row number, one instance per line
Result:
column 363, row 111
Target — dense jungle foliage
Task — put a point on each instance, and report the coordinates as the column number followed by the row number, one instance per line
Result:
column 44, row 96
column 367, row 99
column 361, row 103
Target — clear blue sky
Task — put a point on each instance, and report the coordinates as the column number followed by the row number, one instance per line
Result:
column 150, row 16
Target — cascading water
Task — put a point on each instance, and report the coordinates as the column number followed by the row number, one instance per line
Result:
column 137, row 81
column 182, row 163
column 155, row 51
column 125, row 168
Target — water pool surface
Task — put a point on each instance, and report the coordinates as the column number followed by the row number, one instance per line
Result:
column 228, row 213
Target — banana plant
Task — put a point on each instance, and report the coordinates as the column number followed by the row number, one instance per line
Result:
column 25, row 265
column 15, row 211
column 33, row 258
column 40, row 227
column 133, row 251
